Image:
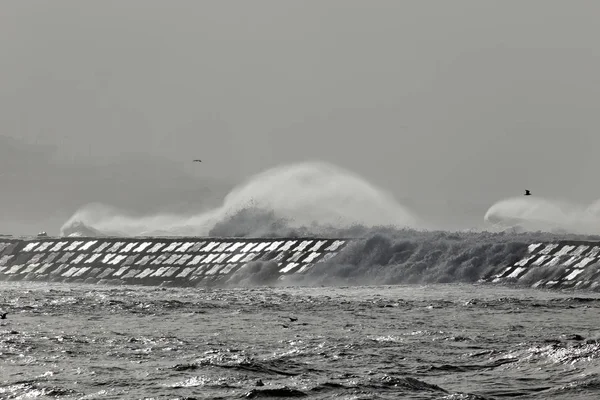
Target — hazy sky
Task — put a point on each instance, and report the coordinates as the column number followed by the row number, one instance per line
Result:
column 456, row 100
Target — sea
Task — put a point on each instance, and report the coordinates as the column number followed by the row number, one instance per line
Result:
column 418, row 341
column 399, row 314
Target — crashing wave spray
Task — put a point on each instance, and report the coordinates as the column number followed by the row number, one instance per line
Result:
column 410, row 257
column 539, row 214
column 308, row 194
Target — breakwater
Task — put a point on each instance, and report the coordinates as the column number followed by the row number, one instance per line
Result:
column 194, row 261
column 556, row 265
column 159, row 261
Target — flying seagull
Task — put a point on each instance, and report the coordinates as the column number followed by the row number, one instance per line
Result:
column 197, row 160
column 527, row 192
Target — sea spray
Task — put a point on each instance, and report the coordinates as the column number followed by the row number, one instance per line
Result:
column 540, row 214
column 425, row 257
column 307, row 195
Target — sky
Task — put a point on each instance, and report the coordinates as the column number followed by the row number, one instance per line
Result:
column 449, row 105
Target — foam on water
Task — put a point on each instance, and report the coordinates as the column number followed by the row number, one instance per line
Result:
column 311, row 194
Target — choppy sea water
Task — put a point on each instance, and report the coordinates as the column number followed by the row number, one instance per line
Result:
column 445, row 341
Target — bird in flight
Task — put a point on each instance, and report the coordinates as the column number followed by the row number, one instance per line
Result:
column 197, row 160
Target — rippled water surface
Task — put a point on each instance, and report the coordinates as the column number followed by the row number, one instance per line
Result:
column 420, row 342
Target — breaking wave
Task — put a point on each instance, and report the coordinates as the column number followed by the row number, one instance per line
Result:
column 387, row 257
column 318, row 199
column 312, row 196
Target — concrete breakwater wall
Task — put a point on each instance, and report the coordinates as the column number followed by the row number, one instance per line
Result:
column 558, row 265
column 156, row 261
column 200, row 262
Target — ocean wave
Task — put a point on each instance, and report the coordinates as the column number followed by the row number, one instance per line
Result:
column 423, row 257
column 394, row 246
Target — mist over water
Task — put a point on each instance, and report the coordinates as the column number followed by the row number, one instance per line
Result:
column 311, row 195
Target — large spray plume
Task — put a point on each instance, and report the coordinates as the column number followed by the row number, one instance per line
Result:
column 540, row 214
column 308, row 198
column 309, row 195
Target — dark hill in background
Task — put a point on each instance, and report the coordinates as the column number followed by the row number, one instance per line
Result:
column 40, row 192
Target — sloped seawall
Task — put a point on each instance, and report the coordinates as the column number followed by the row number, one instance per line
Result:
column 554, row 265
column 158, row 261
column 195, row 261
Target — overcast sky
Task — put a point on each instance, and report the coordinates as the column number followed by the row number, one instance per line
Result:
column 466, row 101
